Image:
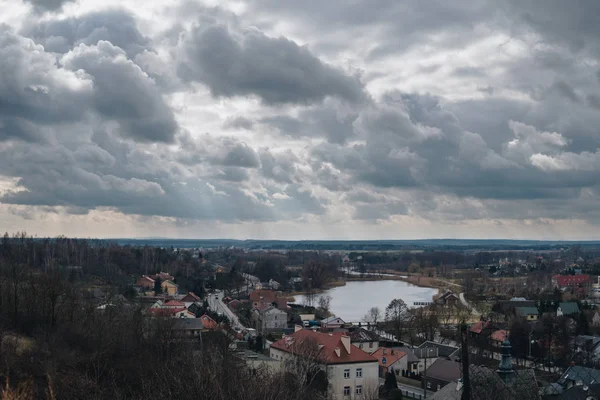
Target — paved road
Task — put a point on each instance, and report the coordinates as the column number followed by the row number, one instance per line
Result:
column 410, row 392
column 466, row 304
column 215, row 303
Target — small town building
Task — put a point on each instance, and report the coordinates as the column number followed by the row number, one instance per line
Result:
column 352, row 373
column 567, row 309
column 332, row 322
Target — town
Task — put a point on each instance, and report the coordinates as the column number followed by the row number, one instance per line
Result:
column 513, row 323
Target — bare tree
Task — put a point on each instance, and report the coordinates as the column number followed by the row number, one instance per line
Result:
column 324, row 304
column 373, row 315
column 396, row 315
column 306, row 369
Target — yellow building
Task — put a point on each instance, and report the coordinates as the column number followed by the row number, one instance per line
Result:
column 169, row 288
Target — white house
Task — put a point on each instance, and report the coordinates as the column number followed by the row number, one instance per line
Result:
column 332, row 322
column 269, row 318
column 352, row 373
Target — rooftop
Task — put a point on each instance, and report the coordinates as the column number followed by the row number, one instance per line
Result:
column 361, row 335
column 327, row 343
column 443, row 350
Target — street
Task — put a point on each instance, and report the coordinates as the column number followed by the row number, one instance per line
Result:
column 409, row 391
column 215, row 303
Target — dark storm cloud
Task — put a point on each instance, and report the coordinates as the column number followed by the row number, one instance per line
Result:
column 226, row 151
column 35, row 92
column 123, row 92
column 116, row 26
column 331, row 120
column 239, row 123
column 109, row 173
column 276, row 70
column 47, row 5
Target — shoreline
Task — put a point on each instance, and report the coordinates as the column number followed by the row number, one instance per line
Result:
column 424, row 282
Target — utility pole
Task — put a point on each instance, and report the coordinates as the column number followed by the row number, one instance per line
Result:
column 466, row 394
column 425, row 374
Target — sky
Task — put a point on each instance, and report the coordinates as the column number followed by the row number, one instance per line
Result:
column 286, row 119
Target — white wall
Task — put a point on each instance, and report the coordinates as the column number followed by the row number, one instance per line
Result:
column 369, row 380
column 335, row 374
column 369, row 347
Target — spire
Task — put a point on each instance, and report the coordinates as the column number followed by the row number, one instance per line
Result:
column 505, row 370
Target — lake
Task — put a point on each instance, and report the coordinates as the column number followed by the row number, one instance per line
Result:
column 352, row 301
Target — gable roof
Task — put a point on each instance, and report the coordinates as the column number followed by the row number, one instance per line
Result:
column 524, row 311
column 391, row 356
column 168, row 283
column 486, row 384
column 166, row 311
column 361, row 335
column 444, row 370
column 443, row 350
column 184, row 324
column 579, row 393
column 174, row 303
column 331, row 319
column 478, row 327
column 410, row 355
column 208, row 322
column 568, row 280
column 583, row 374
column 499, row 335
column 328, row 344
column 191, row 297
column 263, row 295
column 569, row 308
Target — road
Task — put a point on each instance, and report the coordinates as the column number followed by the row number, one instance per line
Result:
column 466, row 304
column 409, row 391
column 215, row 303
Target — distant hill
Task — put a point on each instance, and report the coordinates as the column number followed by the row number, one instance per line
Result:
column 358, row 245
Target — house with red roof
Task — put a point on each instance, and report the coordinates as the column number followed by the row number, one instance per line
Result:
column 181, row 312
column 190, row 299
column 352, row 373
column 498, row 337
column 173, row 304
column 562, row 281
column 145, row 282
column 208, row 322
column 391, row 360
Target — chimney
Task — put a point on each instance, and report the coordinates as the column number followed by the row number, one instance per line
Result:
column 384, row 351
column 346, row 343
column 337, row 351
column 297, row 328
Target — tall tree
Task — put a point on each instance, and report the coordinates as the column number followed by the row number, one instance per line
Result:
column 396, row 314
column 373, row 315
column 158, row 286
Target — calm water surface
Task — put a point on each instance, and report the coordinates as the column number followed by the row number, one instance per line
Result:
column 352, row 301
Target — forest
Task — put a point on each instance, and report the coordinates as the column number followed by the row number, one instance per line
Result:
column 56, row 343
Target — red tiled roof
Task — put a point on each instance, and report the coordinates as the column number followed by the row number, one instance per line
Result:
column 165, row 311
column 391, row 356
column 568, row 280
column 327, row 353
column 191, row 297
column 208, row 322
column 263, row 295
column 499, row 335
column 174, row 303
column 478, row 327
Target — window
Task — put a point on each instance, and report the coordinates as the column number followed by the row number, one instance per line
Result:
column 358, row 389
column 370, row 345
column 359, row 372
column 428, row 385
column 346, row 373
column 346, row 390
column 360, row 346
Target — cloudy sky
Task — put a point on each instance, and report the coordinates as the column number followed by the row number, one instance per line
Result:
column 286, row 119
